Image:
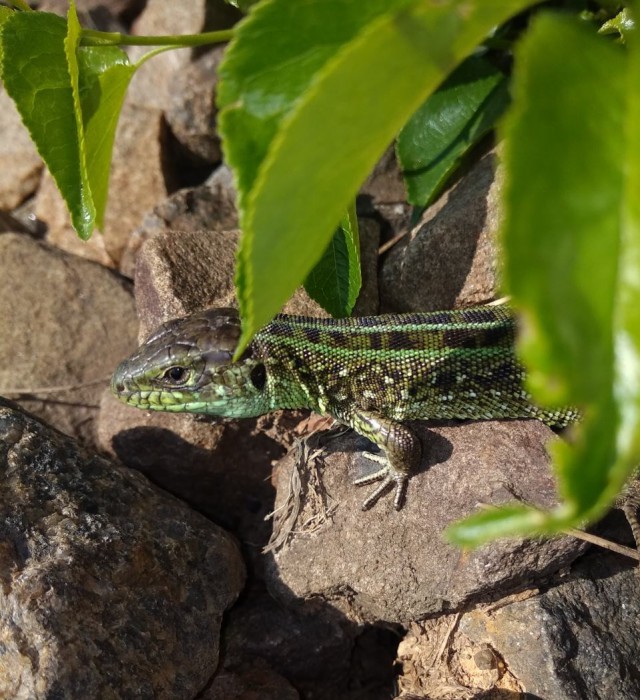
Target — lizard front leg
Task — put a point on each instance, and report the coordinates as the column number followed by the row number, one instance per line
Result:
column 402, row 454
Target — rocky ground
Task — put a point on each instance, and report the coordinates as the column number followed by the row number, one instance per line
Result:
column 138, row 554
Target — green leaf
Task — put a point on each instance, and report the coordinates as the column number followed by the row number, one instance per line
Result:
column 36, row 77
column 572, row 245
column 503, row 521
column 269, row 65
column 335, row 280
column 365, row 79
column 452, row 120
column 70, row 100
column 84, row 217
column 5, row 13
column 105, row 73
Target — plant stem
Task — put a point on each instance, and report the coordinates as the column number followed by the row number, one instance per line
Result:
column 20, row 5
column 92, row 37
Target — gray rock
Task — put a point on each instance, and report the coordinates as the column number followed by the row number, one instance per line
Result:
column 192, row 112
column 20, row 164
column 578, row 640
column 67, row 324
column 450, row 258
column 108, row 588
column 397, row 566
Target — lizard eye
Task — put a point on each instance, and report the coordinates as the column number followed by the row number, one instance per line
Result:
column 176, row 374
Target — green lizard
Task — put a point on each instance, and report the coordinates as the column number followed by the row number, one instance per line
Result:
column 370, row 373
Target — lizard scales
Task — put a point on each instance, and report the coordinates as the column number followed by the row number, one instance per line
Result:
column 370, row 373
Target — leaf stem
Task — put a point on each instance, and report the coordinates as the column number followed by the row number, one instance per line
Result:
column 92, row 37
column 20, row 5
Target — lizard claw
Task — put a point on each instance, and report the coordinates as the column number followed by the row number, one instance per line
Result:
column 389, row 479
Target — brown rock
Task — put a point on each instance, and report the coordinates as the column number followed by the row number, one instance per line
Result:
column 192, row 112
column 250, row 681
column 136, row 184
column 178, row 272
column 50, row 208
column 69, row 323
column 210, row 205
column 108, row 588
column 299, row 643
column 368, row 301
column 151, row 85
column 384, row 196
column 138, row 178
column 397, row 566
column 20, row 164
column 450, row 257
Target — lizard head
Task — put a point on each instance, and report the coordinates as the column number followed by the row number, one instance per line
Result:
column 187, row 365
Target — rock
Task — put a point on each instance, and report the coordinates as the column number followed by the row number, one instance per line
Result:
column 97, row 14
column 192, row 111
column 136, row 183
column 151, row 85
column 50, row 208
column 139, row 178
column 210, row 205
column 20, row 164
column 108, row 588
column 250, row 681
column 396, row 566
column 450, row 257
column 384, row 196
column 178, row 272
column 368, row 301
column 577, row 639
column 284, row 637
column 68, row 324
column 199, row 461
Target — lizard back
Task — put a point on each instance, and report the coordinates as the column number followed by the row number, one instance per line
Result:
column 457, row 364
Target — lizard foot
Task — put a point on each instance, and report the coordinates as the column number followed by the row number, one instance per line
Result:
column 389, row 477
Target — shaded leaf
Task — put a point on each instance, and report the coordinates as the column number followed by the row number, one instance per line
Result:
column 335, row 280
column 452, row 120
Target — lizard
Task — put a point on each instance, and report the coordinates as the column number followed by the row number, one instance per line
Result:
column 371, row 373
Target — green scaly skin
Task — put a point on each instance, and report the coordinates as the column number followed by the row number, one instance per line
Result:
column 370, row 373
